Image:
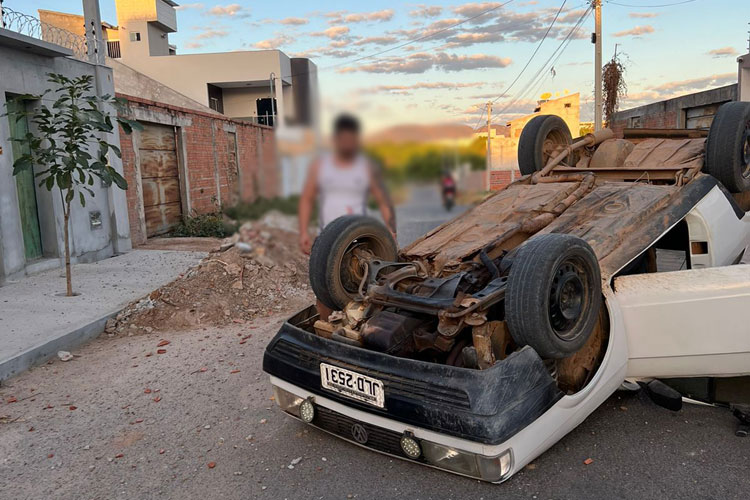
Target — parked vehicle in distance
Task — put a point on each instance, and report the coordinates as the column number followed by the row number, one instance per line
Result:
column 478, row 346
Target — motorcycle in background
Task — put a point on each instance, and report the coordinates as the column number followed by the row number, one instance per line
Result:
column 448, row 185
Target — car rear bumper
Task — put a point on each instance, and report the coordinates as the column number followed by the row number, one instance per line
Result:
column 482, row 406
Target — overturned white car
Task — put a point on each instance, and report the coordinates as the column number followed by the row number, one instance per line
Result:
column 480, row 345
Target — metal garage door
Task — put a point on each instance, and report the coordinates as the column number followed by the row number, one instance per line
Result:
column 701, row 116
column 160, row 178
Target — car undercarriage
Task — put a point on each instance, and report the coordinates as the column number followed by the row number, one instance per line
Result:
column 452, row 296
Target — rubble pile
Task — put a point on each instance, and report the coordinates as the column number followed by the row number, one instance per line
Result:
column 257, row 272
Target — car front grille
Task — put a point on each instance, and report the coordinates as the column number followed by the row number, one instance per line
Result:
column 378, row 439
column 394, row 385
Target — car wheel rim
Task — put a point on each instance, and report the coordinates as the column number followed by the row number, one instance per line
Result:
column 567, row 299
column 353, row 267
column 553, row 144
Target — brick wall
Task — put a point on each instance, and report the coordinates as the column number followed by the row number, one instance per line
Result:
column 213, row 174
column 501, row 178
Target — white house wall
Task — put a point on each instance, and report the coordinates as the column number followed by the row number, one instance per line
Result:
column 22, row 73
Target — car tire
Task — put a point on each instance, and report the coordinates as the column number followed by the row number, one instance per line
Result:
column 539, row 134
column 553, row 295
column 332, row 278
column 728, row 147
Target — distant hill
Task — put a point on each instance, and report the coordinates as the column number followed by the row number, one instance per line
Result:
column 401, row 134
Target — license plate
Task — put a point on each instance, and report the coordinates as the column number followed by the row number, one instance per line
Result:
column 352, row 385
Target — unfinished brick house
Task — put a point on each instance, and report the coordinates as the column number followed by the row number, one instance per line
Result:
column 188, row 159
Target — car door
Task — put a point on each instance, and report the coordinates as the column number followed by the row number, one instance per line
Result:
column 691, row 323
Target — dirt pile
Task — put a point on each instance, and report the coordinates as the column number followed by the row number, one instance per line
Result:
column 257, row 272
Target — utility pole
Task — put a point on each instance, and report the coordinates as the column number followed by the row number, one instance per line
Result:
column 488, row 181
column 597, row 39
column 272, row 82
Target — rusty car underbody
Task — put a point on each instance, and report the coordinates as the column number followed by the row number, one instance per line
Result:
column 439, row 301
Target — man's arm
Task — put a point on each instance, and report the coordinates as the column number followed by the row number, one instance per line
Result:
column 379, row 192
column 306, row 201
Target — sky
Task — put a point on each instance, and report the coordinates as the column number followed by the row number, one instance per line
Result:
column 445, row 60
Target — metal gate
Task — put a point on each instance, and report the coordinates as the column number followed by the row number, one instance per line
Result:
column 160, row 178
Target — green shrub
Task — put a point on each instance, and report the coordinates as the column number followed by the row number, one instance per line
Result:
column 257, row 209
column 210, row 225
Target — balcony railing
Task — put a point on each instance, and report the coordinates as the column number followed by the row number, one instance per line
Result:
column 33, row 27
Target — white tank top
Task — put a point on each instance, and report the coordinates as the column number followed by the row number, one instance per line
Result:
column 342, row 190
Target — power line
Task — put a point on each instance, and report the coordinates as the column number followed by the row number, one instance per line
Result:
column 535, row 79
column 551, row 61
column 536, row 50
column 539, row 46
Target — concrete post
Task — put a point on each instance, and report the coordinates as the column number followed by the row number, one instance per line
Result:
column 94, row 37
column 488, row 174
column 598, row 65
column 279, row 93
column 2, row 20
column 105, row 85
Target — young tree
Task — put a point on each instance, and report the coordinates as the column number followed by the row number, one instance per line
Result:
column 68, row 147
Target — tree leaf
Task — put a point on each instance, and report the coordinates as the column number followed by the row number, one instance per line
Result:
column 83, row 199
column 118, row 179
column 22, row 163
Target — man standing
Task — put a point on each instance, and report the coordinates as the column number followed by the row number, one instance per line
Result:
column 342, row 181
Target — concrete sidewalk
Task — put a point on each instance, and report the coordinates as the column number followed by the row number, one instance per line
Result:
column 37, row 320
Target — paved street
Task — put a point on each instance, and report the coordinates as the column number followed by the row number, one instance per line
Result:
column 423, row 212
column 120, row 421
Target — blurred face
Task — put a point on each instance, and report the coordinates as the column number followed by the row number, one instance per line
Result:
column 346, row 144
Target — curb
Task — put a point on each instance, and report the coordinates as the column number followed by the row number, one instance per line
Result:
column 42, row 352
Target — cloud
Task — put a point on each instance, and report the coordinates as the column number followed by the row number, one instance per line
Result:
column 333, row 32
column 342, row 16
column 474, row 9
column 193, row 45
column 502, row 26
column 378, row 16
column 422, row 10
column 231, row 10
column 636, row 32
column 643, row 15
column 211, row 33
column 187, row 6
column 294, row 21
column 376, row 40
column 422, row 62
column 420, row 86
column 724, row 51
column 273, row 43
column 571, row 16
